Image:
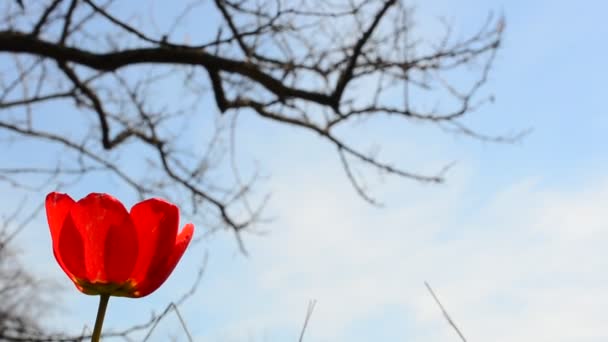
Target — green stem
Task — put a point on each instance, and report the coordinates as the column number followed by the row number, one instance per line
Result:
column 101, row 312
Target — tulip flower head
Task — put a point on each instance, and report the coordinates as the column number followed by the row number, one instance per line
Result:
column 106, row 250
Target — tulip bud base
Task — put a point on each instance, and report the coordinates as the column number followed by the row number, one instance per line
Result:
column 126, row 289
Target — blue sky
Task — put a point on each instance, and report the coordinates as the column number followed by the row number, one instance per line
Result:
column 513, row 243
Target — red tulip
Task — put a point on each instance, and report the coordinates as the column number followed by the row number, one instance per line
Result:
column 106, row 250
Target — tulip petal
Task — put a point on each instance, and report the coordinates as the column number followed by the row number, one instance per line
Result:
column 156, row 222
column 157, row 275
column 110, row 239
column 71, row 250
column 57, row 208
column 67, row 241
column 121, row 248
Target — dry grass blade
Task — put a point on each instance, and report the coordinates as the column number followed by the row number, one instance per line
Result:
column 309, row 311
column 444, row 312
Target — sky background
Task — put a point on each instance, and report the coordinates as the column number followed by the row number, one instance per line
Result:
column 514, row 243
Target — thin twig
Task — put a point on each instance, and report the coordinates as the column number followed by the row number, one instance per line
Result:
column 309, row 311
column 444, row 312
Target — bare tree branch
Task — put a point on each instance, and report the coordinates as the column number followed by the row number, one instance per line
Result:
column 283, row 61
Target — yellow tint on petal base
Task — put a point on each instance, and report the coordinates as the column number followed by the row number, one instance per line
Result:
column 126, row 289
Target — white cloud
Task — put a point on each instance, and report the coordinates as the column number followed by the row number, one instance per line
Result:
column 528, row 265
